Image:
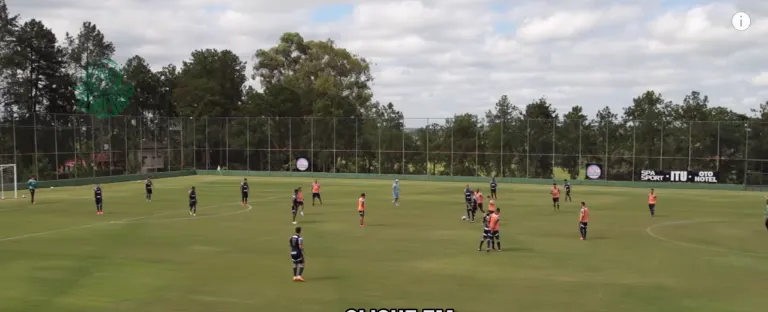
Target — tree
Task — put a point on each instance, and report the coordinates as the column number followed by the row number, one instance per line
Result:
column 575, row 124
column 317, row 79
column 210, row 84
column 36, row 86
column 465, row 130
column 505, row 136
column 542, row 120
column 647, row 117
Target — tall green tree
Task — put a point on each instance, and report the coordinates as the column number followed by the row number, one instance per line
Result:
column 542, row 120
column 38, row 88
column 465, row 130
column 211, row 84
column 569, row 137
column 321, row 80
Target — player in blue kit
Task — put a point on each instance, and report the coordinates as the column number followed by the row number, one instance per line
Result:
column 295, row 204
column 148, row 189
column 193, row 201
column 396, row 192
column 99, row 199
column 493, row 188
column 297, row 254
column 244, row 192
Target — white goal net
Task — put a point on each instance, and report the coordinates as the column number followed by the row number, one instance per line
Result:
column 8, row 181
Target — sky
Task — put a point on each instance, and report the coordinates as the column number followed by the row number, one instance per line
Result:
column 437, row 58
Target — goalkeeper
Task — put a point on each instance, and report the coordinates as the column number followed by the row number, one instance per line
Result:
column 32, row 185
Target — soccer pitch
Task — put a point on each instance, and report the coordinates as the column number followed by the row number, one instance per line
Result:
column 705, row 251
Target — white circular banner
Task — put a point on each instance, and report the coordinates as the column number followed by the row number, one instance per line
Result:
column 594, row 172
column 302, row 164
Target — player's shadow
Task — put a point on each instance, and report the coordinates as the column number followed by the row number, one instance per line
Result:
column 597, row 238
column 516, row 249
column 325, row 278
column 375, row 225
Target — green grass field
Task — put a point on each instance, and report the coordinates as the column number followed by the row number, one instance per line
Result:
column 705, row 251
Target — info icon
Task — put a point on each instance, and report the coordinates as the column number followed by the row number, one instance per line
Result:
column 741, row 21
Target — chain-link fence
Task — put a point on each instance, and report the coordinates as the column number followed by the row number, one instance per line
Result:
column 77, row 146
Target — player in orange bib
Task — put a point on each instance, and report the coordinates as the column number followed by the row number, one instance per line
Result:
column 492, row 205
column 493, row 222
column 480, row 198
column 583, row 220
column 361, row 209
column 555, row 197
column 300, row 200
column 652, row 202
column 316, row 193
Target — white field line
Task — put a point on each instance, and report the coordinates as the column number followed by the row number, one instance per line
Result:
column 649, row 230
column 203, row 298
column 132, row 220
column 62, row 197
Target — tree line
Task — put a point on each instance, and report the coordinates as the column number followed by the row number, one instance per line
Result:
column 318, row 100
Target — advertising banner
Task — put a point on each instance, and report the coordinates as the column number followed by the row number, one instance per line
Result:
column 680, row 176
column 594, row 171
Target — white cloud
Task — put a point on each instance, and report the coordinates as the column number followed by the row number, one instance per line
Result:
column 761, row 79
column 567, row 24
column 434, row 58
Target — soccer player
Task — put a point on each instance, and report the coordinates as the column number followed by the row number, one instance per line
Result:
column 244, row 192
column 766, row 212
column 486, row 231
column 480, row 198
column 396, row 192
column 494, row 223
column 32, row 185
column 297, row 255
column 473, row 209
column 492, row 205
column 148, row 189
column 468, row 201
column 295, row 204
column 300, row 200
column 98, row 198
column 555, row 197
column 193, row 201
column 316, row 193
column 493, row 188
column 361, row 209
column 652, row 202
column 567, row 190
column 583, row 220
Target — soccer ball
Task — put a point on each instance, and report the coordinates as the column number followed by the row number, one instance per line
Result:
column 24, row 196
column 464, row 217
column 2, row 198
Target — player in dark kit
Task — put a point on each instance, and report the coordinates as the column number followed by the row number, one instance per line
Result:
column 99, row 199
column 244, row 192
column 297, row 254
column 468, row 201
column 493, row 188
column 567, row 190
column 486, row 231
column 148, row 189
column 193, row 201
column 295, row 204
column 474, row 207
column 766, row 212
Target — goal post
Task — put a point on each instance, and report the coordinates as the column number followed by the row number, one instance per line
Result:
column 9, row 182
